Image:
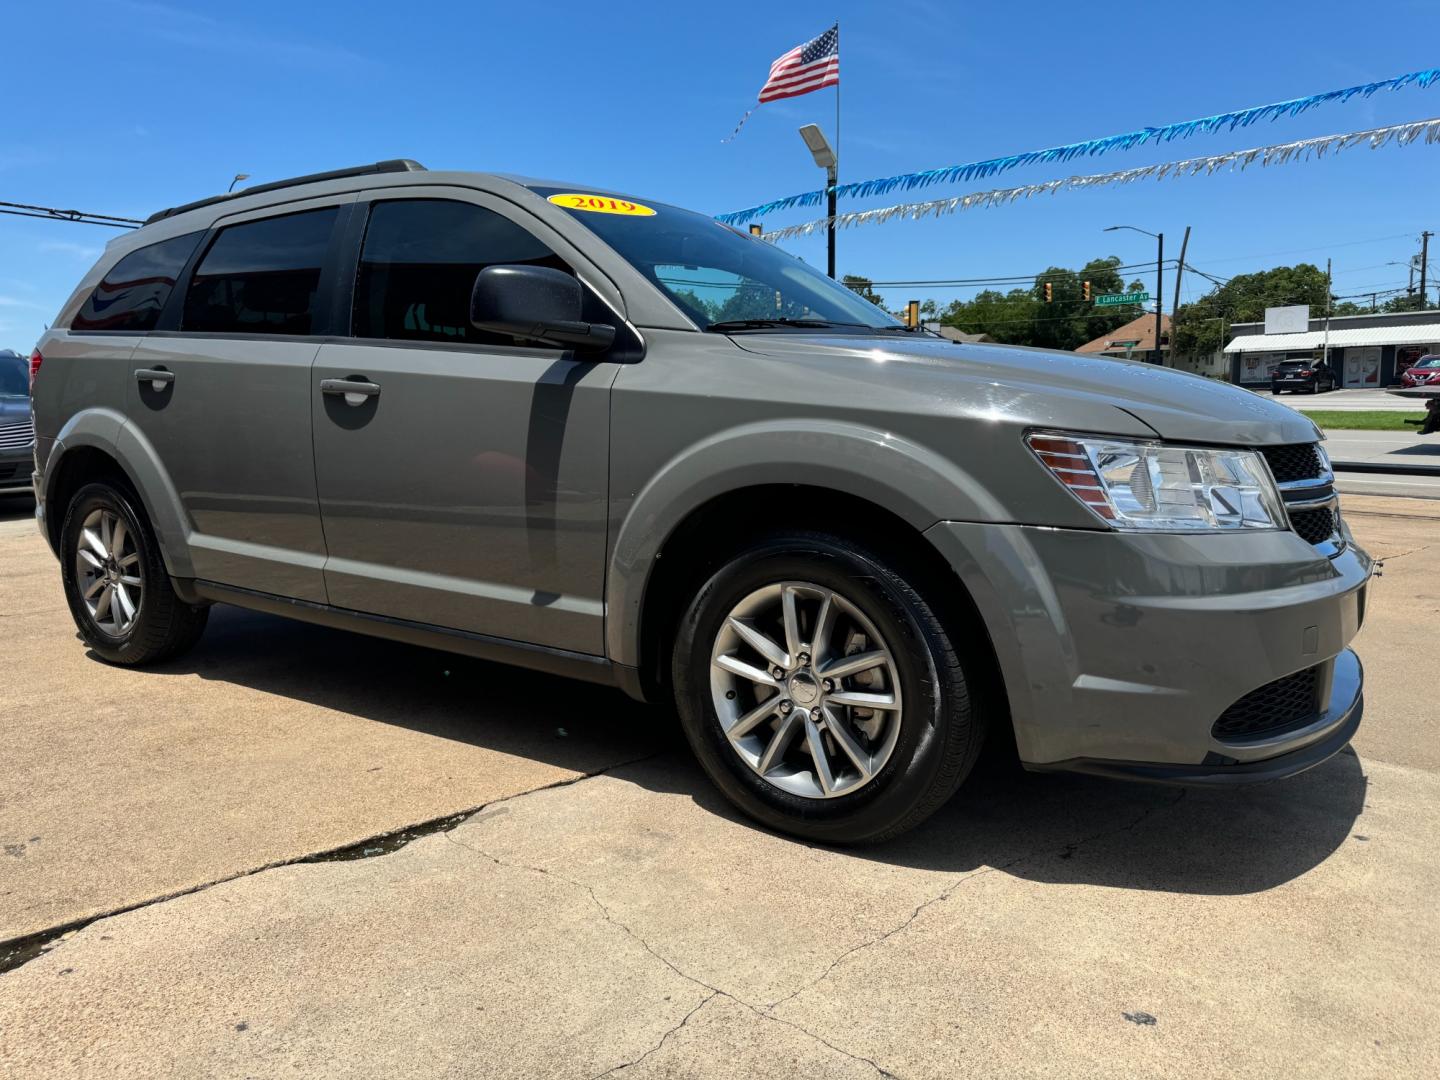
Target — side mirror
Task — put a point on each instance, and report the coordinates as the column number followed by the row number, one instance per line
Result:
column 538, row 303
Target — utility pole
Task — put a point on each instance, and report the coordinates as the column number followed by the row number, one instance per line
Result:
column 1424, row 262
column 1179, row 270
column 1159, row 357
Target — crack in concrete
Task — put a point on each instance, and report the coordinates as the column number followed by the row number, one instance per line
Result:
column 663, row 1038
column 766, row 1012
column 446, row 825
column 964, row 879
column 19, row 951
column 714, row 991
column 1400, row 555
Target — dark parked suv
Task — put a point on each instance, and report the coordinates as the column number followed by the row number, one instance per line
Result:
column 1296, row 375
column 17, row 434
column 612, row 439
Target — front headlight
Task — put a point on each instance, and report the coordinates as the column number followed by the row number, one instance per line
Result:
column 1157, row 486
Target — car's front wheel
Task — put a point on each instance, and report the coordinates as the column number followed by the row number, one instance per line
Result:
column 822, row 693
column 116, row 583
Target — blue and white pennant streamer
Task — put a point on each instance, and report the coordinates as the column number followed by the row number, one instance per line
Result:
column 1090, row 148
column 1278, row 154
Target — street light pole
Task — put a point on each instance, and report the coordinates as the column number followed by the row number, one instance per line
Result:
column 827, row 159
column 1156, row 355
column 832, row 177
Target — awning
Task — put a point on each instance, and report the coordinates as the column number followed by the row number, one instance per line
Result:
column 1415, row 334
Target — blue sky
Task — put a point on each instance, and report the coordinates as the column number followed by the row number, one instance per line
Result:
column 124, row 106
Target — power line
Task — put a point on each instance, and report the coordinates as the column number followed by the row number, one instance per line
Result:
column 80, row 217
column 1016, row 279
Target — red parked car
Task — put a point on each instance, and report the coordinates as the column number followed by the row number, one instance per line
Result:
column 1424, row 372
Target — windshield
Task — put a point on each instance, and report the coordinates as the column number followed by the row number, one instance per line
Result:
column 721, row 278
column 1428, row 362
column 14, row 376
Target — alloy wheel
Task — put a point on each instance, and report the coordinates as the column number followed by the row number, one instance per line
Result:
column 108, row 572
column 806, row 690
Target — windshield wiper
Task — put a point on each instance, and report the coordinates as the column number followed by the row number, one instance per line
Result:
column 765, row 324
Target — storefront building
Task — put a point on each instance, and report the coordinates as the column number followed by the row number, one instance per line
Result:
column 1364, row 350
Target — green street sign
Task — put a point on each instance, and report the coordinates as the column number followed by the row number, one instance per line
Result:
column 1118, row 298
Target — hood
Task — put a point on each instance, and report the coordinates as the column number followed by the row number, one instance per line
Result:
column 13, row 410
column 1174, row 404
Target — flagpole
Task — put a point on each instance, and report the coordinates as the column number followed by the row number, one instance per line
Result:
column 834, row 176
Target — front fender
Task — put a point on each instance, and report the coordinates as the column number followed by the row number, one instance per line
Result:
column 901, row 476
column 109, row 432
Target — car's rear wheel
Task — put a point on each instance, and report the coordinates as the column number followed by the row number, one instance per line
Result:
column 821, row 692
column 116, row 583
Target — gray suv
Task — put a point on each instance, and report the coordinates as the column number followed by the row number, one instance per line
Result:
column 602, row 437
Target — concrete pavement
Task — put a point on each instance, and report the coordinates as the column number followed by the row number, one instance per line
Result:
column 1348, row 401
column 1401, row 448
column 630, row 924
column 271, row 740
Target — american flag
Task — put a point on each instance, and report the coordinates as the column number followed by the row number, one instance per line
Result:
column 807, row 67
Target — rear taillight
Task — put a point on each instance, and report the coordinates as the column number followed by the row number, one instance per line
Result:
column 35, row 361
column 1307, row 372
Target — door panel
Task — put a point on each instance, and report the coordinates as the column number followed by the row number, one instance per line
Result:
column 233, row 430
column 470, row 491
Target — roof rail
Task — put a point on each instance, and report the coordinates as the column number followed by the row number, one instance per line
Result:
column 392, row 166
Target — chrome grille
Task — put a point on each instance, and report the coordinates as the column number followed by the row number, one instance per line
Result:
column 17, row 436
column 1302, row 472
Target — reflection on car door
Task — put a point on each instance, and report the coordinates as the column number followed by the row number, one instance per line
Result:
column 462, row 476
column 225, row 401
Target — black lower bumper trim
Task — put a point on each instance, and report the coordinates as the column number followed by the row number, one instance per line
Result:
column 1250, row 772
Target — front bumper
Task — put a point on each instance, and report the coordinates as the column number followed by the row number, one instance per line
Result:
column 15, row 467
column 1120, row 651
column 1328, row 734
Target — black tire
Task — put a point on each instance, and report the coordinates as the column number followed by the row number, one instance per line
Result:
column 941, row 733
column 164, row 625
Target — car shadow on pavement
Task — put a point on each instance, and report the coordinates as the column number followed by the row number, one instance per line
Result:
column 1049, row 828
column 559, row 722
column 17, row 508
column 1072, row 829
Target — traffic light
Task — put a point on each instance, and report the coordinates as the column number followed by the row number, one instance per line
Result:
column 1085, row 290
column 1049, row 292
column 912, row 313
column 756, row 230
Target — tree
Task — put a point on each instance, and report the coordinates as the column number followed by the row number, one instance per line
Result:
column 695, row 305
column 1022, row 317
column 861, row 286
column 1409, row 302
column 1197, row 326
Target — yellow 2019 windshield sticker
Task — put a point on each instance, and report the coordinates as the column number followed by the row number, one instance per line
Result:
column 601, row 204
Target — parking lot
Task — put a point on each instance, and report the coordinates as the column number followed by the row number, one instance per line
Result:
column 200, row 877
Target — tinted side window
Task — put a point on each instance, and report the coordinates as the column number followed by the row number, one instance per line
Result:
column 136, row 288
column 261, row 277
column 418, row 266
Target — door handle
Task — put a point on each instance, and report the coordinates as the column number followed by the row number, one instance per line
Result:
column 354, row 390
column 158, row 378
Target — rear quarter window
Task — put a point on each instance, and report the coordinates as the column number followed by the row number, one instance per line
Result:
column 135, row 290
column 261, row 277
